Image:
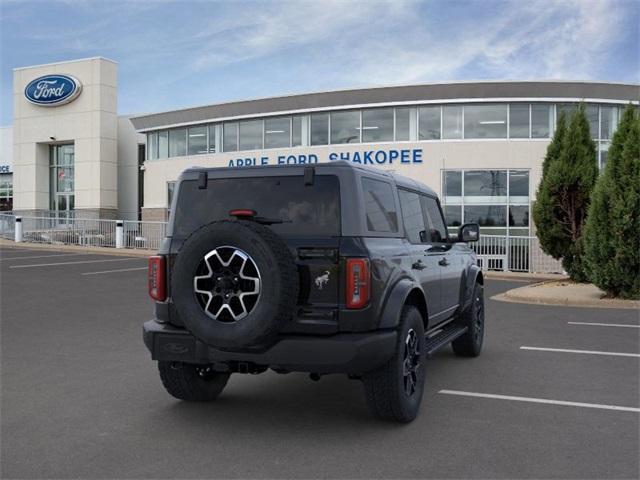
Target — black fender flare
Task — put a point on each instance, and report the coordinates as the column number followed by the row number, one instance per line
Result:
column 472, row 275
column 396, row 299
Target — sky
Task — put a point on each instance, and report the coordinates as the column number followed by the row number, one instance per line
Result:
column 176, row 54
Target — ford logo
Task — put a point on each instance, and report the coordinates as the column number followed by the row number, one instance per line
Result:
column 53, row 90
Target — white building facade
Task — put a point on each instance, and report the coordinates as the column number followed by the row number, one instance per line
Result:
column 480, row 145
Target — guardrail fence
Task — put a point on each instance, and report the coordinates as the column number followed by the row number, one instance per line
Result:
column 85, row 232
column 495, row 252
column 7, row 226
column 515, row 254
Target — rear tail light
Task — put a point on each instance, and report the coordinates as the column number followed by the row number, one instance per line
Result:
column 157, row 278
column 358, row 282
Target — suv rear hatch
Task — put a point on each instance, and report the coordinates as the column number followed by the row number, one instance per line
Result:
column 304, row 212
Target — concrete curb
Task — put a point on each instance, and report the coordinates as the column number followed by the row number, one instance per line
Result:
column 572, row 295
column 125, row 252
column 524, row 276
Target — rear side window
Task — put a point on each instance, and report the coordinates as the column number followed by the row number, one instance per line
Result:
column 412, row 215
column 380, row 207
column 437, row 229
column 305, row 210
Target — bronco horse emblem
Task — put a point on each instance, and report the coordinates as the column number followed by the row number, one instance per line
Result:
column 322, row 280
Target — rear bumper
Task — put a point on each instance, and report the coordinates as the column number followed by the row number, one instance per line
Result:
column 352, row 353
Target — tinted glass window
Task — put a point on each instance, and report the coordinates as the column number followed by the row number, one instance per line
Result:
column 296, row 131
column 197, row 140
column 412, row 215
column 518, row 184
column 437, row 230
column 212, row 139
column 377, row 125
column 403, row 124
column 251, row 135
column 345, row 127
column 163, row 144
column 230, row 137
column 320, row 129
column 519, row 120
column 485, row 183
column 541, row 120
column 380, row 208
column 485, row 121
column 178, row 142
column 519, row 216
column 452, row 121
column 277, row 132
column 152, row 146
column 429, row 123
column 486, row 215
column 304, row 209
column 452, row 181
column 453, row 215
column 592, row 116
column 608, row 121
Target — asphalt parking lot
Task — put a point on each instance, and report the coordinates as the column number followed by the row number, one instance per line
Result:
column 82, row 399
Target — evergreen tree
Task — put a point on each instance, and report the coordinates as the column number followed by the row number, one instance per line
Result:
column 612, row 238
column 549, row 232
column 563, row 198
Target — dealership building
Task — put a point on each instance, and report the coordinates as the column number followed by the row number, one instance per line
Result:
column 480, row 145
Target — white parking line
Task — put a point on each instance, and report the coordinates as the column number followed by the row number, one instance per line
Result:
column 588, row 352
column 42, row 256
column 77, row 263
column 605, row 324
column 115, row 271
column 541, row 400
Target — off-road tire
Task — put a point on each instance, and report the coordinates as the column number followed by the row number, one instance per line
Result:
column 193, row 383
column 384, row 388
column 279, row 284
column 470, row 344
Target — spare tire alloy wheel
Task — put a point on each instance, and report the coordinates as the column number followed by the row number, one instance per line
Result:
column 234, row 284
column 227, row 284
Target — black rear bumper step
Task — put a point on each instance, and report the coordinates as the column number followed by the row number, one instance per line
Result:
column 446, row 336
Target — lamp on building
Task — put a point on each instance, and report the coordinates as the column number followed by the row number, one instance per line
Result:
column 53, row 138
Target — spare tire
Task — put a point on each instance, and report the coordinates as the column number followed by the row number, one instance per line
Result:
column 234, row 284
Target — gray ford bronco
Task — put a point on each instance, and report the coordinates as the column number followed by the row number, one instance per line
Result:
column 323, row 268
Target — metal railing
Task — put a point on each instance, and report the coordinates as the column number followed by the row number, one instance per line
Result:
column 7, row 226
column 148, row 235
column 84, row 231
column 495, row 252
column 69, row 231
column 515, row 254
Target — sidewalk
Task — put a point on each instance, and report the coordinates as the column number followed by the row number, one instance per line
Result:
column 127, row 252
column 566, row 293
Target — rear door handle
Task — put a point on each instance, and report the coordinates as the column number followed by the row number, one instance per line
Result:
column 418, row 265
column 444, row 262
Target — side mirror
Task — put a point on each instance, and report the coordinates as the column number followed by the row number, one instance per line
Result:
column 469, row 232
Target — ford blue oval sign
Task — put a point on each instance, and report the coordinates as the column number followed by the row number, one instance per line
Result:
column 53, row 90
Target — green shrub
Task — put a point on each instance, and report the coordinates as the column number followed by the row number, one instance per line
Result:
column 612, row 233
column 569, row 174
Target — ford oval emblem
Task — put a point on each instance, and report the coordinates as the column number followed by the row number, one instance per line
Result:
column 53, row 90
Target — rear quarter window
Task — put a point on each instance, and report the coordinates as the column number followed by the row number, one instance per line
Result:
column 306, row 210
column 380, row 206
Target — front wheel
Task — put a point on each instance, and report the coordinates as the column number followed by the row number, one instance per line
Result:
column 470, row 344
column 190, row 382
column 394, row 391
